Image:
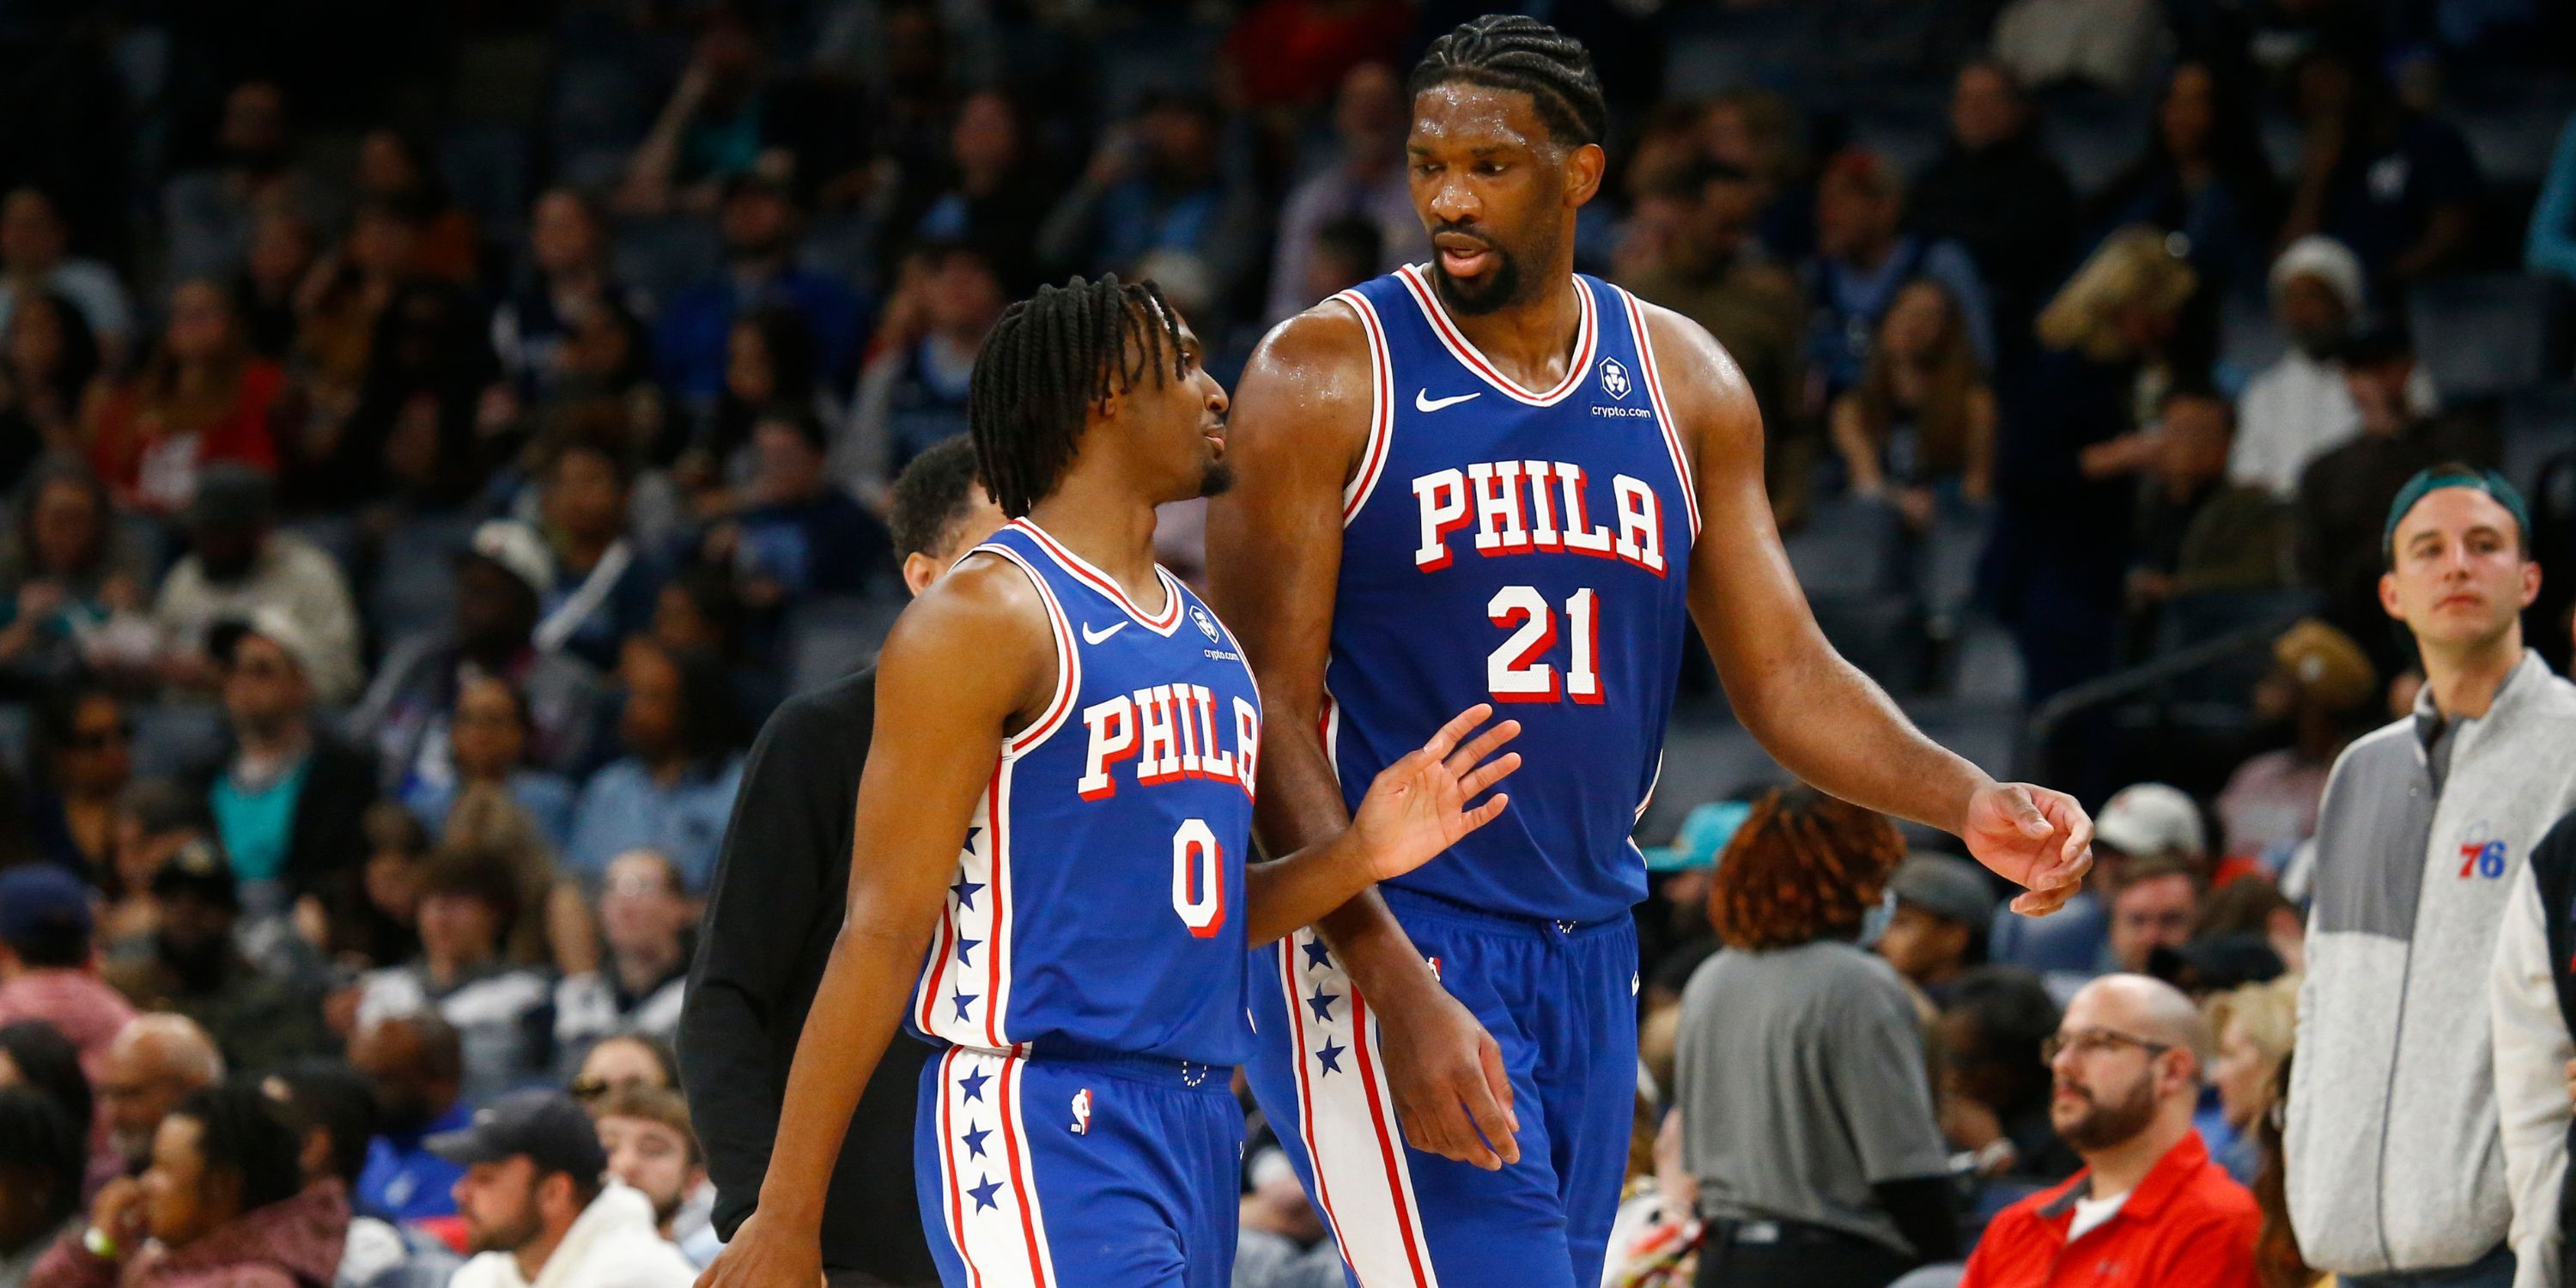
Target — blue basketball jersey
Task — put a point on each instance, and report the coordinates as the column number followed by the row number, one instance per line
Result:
column 1526, row 548
column 1097, row 904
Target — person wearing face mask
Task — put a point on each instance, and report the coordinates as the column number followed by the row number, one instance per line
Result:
column 2298, row 409
column 260, row 1019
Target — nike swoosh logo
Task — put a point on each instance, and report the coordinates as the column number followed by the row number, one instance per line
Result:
column 1423, row 401
column 1089, row 638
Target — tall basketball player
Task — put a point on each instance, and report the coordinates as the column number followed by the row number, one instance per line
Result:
column 1489, row 479
column 1053, row 825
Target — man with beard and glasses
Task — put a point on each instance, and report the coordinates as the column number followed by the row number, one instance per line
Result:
column 260, row 1019
column 416, row 1066
column 1486, row 479
column 2150, row 1207
column 539, row 1209
column 1052, row 879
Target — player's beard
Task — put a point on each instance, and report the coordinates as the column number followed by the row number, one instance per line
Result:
column 1486, row 292
column 1216, row 479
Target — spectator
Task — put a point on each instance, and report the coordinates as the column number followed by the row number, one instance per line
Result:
column 384, row 930
column 1919, row 430
column 156, row 1062
column 2300, row 407
column 674, row 788
column 2150, row 1206
column 1759, row 133
column 208, row 213
column 414, row 1065
column 223, row 1205
column 1287, row 54
column 995, row 190
column 47, row 967
column 259, row 1019
column 533, row 1192
column 41, row 1161
column 2197, row 531
column 411, row 434
column 2150, row 821
column 758, row 219
column 282, row 254
column 502, row 580
column 2320, row 686
column 770, row 365
column 36, row 1055
column 606, row 582
column 2155, row 906
column 645, row 917
column 1994, row 1085
column 2394, row 1164
column 652, row 1148
column 469, row 903
column 288, row 796
column 626, row 1059
column 154, row 817
column 1364, row 179
column 35, row 260
column 2106, row 44
column 1995, row 192
column 1863, row 259
column 2550, row 247
column 2344, row 493
column 236, row 566
column 720, row 123
column 489, row 738
column 202, row 397
column 337, row 307
column 395, row 168
column 798, row 534
column 332, row 1112
column 1672, row 922
column 912, row 394
column 71, row 580
column 1157, row 183
column 603, row 387
column 84, row 760
column 2202, row 174
column 1800, row 1078
column 47, row 359
column 1938, row 930
column 2397, row 185
column 2251, row 908
column 2255, row 1025
column 771, row 920
column 1691, row 245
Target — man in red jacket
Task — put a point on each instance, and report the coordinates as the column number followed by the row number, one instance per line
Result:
column 2149, row 1208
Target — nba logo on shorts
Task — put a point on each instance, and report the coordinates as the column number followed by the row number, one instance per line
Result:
column 1082, row 1112
column 1207, row 624
column 1614, row 378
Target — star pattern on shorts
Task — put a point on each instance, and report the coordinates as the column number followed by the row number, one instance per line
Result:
column 1331, row 1057
column 984, row 1194
column 973, row 1084
column 963, row 1000
column 965, row 892
column 974, row 1139
column 965, row 946
column 1323, row 1004
column 1318, row 956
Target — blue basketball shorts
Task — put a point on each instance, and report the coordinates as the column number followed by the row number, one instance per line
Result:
column 1560, row 1000
column 1101, row 1171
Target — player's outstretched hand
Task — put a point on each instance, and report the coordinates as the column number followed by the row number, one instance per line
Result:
column 2036, row 837
column 757, row 1259
column 1418, row 807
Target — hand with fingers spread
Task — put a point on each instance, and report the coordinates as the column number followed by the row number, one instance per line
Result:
column 1418, row 807
column 2033, row 836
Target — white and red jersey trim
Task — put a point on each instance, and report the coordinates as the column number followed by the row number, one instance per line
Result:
column 1663, row 408
column 1163, row 623
column 1355, row 494
column 1586, row 342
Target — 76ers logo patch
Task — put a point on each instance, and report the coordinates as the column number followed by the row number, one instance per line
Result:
column 1614, row 378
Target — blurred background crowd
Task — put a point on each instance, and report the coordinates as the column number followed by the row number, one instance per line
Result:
column 434, row 437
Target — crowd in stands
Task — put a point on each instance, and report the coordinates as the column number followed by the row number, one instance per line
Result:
column 433, row 442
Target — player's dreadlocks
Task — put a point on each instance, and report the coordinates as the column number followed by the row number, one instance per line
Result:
column 1509, row 51
column 1049, row 360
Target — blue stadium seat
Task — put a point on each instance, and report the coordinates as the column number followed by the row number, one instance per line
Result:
column 2483, row 334
column 2538, row 423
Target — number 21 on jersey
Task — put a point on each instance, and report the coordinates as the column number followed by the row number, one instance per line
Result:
column 1517, row 672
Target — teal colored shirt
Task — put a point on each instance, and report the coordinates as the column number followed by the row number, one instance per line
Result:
column 256, row 826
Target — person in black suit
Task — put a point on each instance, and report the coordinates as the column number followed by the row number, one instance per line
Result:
column 774, row 909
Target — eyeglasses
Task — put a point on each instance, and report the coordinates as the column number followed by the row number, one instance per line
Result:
column 2096, row 1042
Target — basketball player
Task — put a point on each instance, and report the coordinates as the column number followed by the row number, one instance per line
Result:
column 1053, row 825
column 1489, row 479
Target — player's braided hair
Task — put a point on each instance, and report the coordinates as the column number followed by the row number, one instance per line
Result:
column 1802, row 866
column 1048, row 361
column 1509, row 51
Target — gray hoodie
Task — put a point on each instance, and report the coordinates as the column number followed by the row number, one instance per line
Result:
column 2394, row 1160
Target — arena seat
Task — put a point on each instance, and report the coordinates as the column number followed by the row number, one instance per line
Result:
column 2483, row 334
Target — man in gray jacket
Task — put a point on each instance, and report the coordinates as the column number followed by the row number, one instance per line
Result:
column 2396, row 1173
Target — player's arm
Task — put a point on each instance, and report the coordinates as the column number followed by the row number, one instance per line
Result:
column 962, row 665
column 1274, row 544
column 1815, row 712
column 1415, row 809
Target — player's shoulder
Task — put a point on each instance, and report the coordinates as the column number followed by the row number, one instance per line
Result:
column 988, row 601
column 1322, row 338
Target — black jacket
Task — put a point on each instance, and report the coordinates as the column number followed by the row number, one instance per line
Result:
column 2553, row 869
column 776, row 906
column 326, row 850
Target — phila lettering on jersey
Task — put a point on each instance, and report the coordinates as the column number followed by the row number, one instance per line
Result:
column 1517, row 546
column 1098, row 893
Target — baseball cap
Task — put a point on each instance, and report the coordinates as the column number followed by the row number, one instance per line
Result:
column 2326, row 665
column 230, row 495
column 546, row 1125
column 1945, row 886
column 2216, row 964
column 271, row 623
column 2428, row 481
column 516, row 549
column 2151, row 818
column 197, row 870
column 41, row 899
column 1704, row 832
